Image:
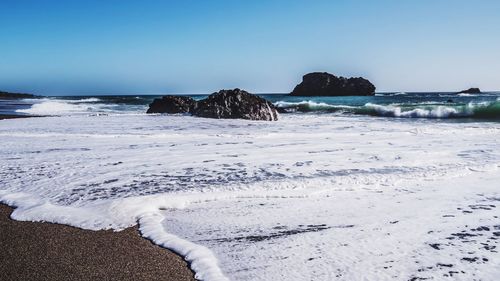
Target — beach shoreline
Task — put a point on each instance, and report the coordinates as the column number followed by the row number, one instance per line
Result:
column 47, row 251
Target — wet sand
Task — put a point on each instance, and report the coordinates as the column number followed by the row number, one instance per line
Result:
column 46, row 251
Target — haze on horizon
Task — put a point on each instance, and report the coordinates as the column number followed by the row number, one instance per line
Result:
column 126, row 47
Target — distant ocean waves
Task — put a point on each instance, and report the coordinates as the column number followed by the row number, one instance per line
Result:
column 480, row 110
column 398, row 105
column 86, row 105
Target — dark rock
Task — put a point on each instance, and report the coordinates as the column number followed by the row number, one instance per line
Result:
column 471, row 91
column 435, row 246
column 225, row 104
column 326, row 84
column 471, row 260
column 236, row 104
column 172, row 105
column 481, row 228
column 463, row 235
column 281, row 110
column 11, row 96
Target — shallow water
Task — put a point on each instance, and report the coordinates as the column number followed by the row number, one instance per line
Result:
column 465, row 107
column 307, row 197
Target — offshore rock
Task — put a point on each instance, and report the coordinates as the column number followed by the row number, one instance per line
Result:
column 326, row 84
column 471, row 91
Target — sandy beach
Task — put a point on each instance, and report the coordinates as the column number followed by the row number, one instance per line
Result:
column 46, row 251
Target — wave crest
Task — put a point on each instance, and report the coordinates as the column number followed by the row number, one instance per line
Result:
column 311, row 106
column 396, row 111
column 64, row 107
column 484, row 110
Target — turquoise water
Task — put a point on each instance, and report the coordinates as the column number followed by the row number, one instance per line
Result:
column 400, row 105
column 485, row 106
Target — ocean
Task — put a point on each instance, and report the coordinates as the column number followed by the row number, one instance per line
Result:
column 484, row 106
column 398, row 186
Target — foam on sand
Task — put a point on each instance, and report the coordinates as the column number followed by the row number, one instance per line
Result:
column 307, row 196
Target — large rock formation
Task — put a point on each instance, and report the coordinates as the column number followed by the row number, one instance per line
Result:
column 172, row 105
column 471, row 91
column 236, row 104
column 326, row 84
column 225, row 104
column 11, row 96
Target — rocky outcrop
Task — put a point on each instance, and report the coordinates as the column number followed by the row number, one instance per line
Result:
column 471, row 91
column 326, row 84
column 172, row 105
column 236, row 104
column 12, row 96
column 225, row 104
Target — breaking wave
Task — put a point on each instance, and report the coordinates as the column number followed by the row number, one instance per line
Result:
column 397, row 105
column 51, row 106
column 483, row 110
column 390, row 94
column 308, row 106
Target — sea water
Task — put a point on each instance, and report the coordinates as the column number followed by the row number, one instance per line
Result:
column 392, row 187
column 484, row 106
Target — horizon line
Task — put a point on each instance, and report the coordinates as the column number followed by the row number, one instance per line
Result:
column 209, row 93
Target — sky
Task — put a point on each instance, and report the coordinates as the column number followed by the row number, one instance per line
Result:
column 130, row 47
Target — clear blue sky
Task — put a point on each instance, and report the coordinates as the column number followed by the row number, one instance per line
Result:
column 97, row 47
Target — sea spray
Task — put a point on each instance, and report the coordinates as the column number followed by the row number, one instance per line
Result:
column 432, row 110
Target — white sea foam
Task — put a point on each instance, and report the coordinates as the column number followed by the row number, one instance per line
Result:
column 311, row 106
column 425, row 109
column 304, row 103
column 306, row 197
column 83, row 100
column 52, row 106
column 400, row 94
column 472, row 109
column 55, row 107
column 391, row 94
column 396, row 111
